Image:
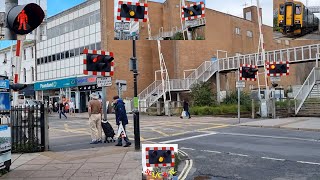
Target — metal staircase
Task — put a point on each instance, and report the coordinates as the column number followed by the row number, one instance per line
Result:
column 309, row 85
column 294, row 55
column 155, row 90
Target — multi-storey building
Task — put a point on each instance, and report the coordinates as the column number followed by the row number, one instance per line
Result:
column 27, row 73
column 59, row 60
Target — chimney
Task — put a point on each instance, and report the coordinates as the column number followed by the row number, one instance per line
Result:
column 251, row 14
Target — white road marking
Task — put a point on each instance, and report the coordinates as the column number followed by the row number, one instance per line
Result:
column 305, row 162
column 184, row 169
column 187, row 171
column 273, row 137
column 187, row 148
column 182, row 152
column 273, row 158
column 211, row 151
column 235, row 154
column 191, row 137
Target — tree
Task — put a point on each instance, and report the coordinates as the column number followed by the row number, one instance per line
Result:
column 201, row 94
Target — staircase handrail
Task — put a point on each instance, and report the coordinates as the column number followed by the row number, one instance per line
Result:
column 149, row 89
column 309, row 83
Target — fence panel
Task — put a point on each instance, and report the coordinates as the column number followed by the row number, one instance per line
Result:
column 28, row 133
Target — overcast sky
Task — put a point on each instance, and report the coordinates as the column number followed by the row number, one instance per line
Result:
column 43, row 3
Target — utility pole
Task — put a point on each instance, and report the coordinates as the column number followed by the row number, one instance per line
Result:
column 104, row 101
column 134, row 68
column 8, row 34
column 239, row 96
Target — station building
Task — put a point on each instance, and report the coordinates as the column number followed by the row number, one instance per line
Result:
column 224, row 32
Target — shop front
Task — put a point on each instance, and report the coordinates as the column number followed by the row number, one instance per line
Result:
column 86, row 86
column 55, row 90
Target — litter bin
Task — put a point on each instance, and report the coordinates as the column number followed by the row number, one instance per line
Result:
column 5, row 129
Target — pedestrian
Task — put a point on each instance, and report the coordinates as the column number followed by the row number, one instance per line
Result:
column 95, row 109
column 121, row 117
column 61, row 110
column 186, row 108
column 71, row 107
column 50, row 107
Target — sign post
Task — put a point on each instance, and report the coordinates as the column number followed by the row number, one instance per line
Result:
column 104, row 82
column 239, row 84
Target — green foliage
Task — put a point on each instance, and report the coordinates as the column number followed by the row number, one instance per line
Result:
column 232, row 98
column 201, row 94
column 223, row 109
column 200, row 38
column 177, row 162
column 177, row 36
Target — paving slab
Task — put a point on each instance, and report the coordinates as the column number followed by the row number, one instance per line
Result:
column 312, row 124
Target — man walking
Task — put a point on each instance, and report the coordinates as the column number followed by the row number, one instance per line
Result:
column 186, row 108
column 61, row 110
column 121, row 117
column 95, row 109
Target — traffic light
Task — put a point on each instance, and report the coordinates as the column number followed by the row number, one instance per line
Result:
column 23, row 19
column 192, row 11
column 248, row 73
column 160, row 156
column 278, row 69
column 98, row 63
column 18, row 87
column 131, row 11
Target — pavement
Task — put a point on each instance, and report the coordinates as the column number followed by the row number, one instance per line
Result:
column 295, row 123
column 96, row 163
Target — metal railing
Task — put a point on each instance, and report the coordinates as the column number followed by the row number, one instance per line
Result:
column 306, row 88
column 295, row 54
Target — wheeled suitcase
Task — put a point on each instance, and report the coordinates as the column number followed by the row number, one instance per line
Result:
column 108, row 131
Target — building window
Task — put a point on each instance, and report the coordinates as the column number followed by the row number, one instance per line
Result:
column 42, row 60
column 46, row 59
column 249, row 34
column 62, row 55
column 58, row 56
column 32, row 52
column 25, row 74
column 38, row 61
column 238, row 31
column 25, row 54
column 81, row 49
column 72, row 53
column 98, row 45
column 248, row 16
column 49, row 58
column 76, row 52
column 67, row 54
column 32, row 73
column 54, row 57
column 92, row 46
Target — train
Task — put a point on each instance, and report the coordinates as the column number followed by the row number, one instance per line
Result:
column 295, row 19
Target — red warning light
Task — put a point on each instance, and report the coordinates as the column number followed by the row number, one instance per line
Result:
column 23, row 20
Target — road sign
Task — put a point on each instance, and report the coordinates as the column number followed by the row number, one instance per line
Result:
column 122, row 26
column 275, row 78
column 192, row 23
column 104, row 81
column 240, row 84
column 122, row 85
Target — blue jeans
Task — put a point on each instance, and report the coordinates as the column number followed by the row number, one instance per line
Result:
column 61, row 112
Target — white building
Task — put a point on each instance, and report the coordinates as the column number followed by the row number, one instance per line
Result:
column 59, row 62
column 27, row 73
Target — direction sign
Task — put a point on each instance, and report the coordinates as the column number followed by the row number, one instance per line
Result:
column 104, row 81
column 275, row 78
column 122, row 26
column 240, row 84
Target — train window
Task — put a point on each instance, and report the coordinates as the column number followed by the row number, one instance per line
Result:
column 298, row 9
column 282, row 9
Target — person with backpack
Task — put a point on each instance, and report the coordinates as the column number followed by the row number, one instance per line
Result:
column 121, row 117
